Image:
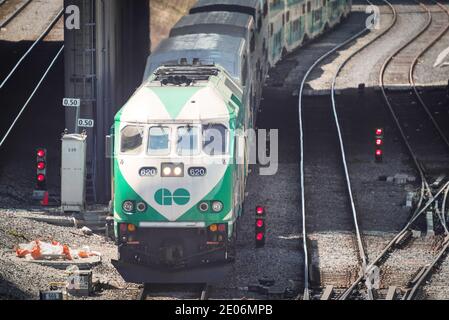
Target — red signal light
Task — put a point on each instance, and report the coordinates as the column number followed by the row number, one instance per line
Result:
column 379, row 144
column 221, row 227
column 41, row 168
column 260, row 226
column 379, row 155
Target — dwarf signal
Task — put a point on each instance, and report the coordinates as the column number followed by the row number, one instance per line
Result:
column 379, row 142
column 260, row 226
column 41, row 168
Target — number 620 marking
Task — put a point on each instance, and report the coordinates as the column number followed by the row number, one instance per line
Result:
column 197, row 172
column 148, row 172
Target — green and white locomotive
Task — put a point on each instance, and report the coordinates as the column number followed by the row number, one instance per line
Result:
column 180, row 153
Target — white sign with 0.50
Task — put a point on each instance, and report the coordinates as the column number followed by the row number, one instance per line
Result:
column 71, row 102
column 86, row 123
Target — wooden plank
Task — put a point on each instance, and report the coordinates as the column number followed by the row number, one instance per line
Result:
column 391, row 295
column 328, row 293
column 82, row 264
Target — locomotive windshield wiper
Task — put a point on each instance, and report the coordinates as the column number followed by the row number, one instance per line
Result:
column 188, row 131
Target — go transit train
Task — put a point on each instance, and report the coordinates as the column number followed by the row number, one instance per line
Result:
column 180, row 161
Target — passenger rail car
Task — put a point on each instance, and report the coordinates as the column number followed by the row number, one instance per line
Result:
column 180, row 161
column 234, row 24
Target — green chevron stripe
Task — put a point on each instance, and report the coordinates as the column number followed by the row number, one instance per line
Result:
column 175, row 99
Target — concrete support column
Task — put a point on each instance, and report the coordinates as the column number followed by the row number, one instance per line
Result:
column 104, row 64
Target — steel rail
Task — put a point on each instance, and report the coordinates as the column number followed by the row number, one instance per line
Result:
column 412, row 79
column 395, row 240
column 14, row 14
column 203, row 296
column 411, row 294
column 387, row 100
column 408, row 145
column 334, row 107
column 306, row 295
column 205, row 291
column 31, row 96
column 43, row 35
column 348, row 292
column 428, row 269
column 424, row 184
column 443, row 206
column 143, row 294
column 425, row 187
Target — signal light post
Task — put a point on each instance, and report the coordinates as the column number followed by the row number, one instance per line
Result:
column 260, row 226
column 41, row 167
column 41, row 193
column 379, row 141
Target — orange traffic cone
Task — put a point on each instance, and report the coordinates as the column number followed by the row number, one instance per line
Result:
column 44, row 202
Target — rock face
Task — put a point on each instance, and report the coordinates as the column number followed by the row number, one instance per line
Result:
column 164, row 15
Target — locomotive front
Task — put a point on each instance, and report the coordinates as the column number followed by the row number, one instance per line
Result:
column 175, row 180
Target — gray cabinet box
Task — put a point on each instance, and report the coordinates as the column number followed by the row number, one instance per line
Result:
column 73, row 172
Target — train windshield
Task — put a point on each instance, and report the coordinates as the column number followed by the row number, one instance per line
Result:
column 131, row 140
column 159, row 141
column 187, row 144
column 215, row 139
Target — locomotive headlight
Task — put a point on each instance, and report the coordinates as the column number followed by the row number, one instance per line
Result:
column 172, row 170
column 204, row 206
column 141, row 207
column 166, row 171
column 128, row 206
column 217, row 206
column 178, row 171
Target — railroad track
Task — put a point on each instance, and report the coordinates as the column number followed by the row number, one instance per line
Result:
column 366, row 269
column 428, row 194
column 203, row 291
column 14, row 97
column 422, row 204
column 18, row 5
column 424, row 139
column 339, row 158
column 30, row 49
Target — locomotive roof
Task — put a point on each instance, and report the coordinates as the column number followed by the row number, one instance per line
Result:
column 228, row 23
column 223, row 50
column 247, row 6
column 247, row 3
column 216, row 98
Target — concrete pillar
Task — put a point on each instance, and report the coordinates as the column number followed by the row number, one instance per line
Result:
column 108, row 53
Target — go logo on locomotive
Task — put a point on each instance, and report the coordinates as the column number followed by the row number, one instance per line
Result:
column 165, row 197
